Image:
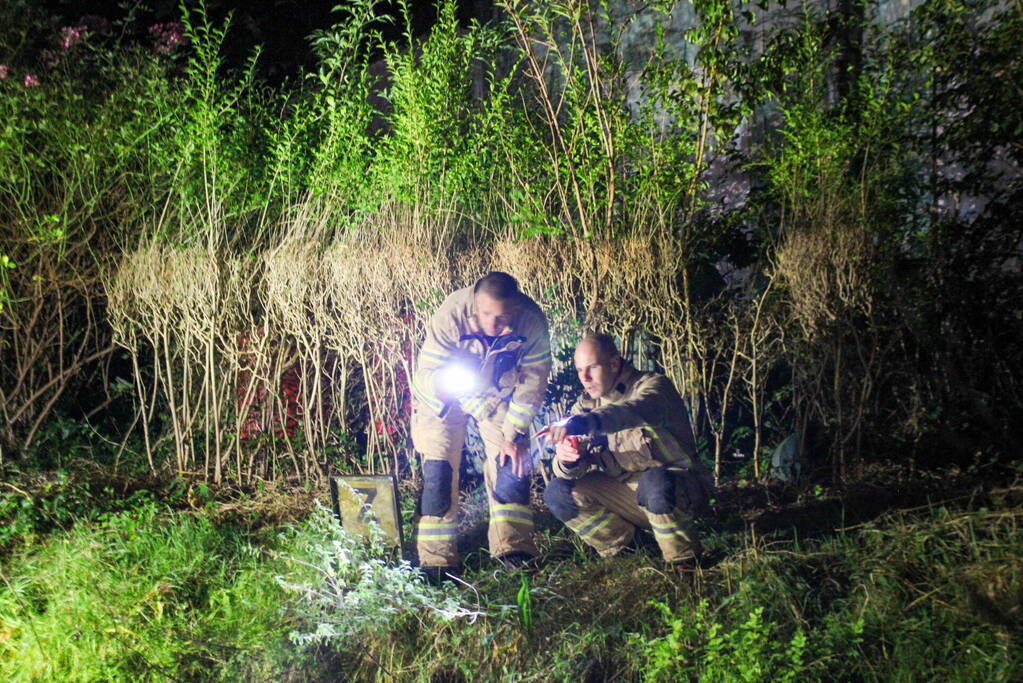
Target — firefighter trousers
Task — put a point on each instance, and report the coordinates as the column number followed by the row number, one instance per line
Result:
column 605, row 511
column 439, row 441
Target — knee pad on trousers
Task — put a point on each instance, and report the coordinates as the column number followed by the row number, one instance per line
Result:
column 558, row 496
column 656, row 491
column 510, row 489
column 436, row 488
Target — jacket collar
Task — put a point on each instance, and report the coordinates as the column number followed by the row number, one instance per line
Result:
column 626, row 378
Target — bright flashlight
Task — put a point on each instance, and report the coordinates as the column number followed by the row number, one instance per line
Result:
column 457, row 380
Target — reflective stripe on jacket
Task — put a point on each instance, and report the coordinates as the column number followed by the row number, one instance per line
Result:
column 522, row 383
column 646, row 424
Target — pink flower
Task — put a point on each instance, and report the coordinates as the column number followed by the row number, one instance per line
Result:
column 71, row 36
column 31, row 80
column 168, row 36
column 4, row 69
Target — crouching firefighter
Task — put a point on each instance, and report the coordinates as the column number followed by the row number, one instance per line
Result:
column 486, row 356
column 625, row 459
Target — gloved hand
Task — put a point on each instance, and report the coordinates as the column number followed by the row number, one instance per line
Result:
column 576, row 425
column 580, row 425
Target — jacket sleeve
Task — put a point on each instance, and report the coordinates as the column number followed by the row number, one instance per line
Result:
column 582, row 467
column 438, row 348
column 577, row 472
column 654, row 402
column 531, row 389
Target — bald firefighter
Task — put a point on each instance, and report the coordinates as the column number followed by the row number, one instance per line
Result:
column 486, row 356
column 625, row 459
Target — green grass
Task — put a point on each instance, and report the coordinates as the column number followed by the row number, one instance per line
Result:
column 153, row 593
column 146, row 593
column 934, row 595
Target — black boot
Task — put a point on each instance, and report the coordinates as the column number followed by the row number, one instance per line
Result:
column 518, row 561
column 687, row 568
column 435, row 576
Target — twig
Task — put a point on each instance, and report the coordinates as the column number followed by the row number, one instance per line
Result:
column 12, row 486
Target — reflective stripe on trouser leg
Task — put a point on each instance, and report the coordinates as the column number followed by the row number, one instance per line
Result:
column 511, row 524
column 674, row 535
column 439, row 439
column 607, row 516
column 673, row 531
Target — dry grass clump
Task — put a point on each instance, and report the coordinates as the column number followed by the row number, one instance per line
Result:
column 337, row 307
column 828, row 271
column 552, row 271
column 339, row 311
column 171, row 302
column 833, row 275
column 342, row 312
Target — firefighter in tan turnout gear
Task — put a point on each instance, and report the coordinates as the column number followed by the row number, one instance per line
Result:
column 487, row 356
column 625, row 458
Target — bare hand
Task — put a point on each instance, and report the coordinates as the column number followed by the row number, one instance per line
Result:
column 566, row 451
column 517, row 452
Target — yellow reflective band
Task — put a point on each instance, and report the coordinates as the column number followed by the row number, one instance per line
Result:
column 427, row 397
column 591, row 524
column 470, row 404
column 536, row 359
column 477, row 405
column 671, row 453
column 511, row 506
column 516, row 420
column 592, row 518
column 427, row 536
column 589, row 533
column 525, row 412
column 512, row 517
column 435, row 354
column 437, row 531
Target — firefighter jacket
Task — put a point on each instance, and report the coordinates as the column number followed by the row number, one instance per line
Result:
column 512, row 367
column 643, row 424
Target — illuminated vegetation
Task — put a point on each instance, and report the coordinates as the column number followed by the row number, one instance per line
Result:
column 211, row 292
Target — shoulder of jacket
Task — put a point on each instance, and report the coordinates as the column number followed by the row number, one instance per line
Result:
column 456, row 305
column 457, row 300
column 661, row 386
column 649, row 381
column 531, row 316
column 650, row 377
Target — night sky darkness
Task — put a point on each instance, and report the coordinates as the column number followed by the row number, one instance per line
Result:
column 282, row 27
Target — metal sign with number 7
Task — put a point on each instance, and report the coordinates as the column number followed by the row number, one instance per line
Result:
column 358, row 500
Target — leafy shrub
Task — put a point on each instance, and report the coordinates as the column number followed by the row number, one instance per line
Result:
column 354, row 586
column 702, row 641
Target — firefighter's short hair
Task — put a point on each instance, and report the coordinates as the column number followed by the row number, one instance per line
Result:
column 605, row 343
column 497, row 285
